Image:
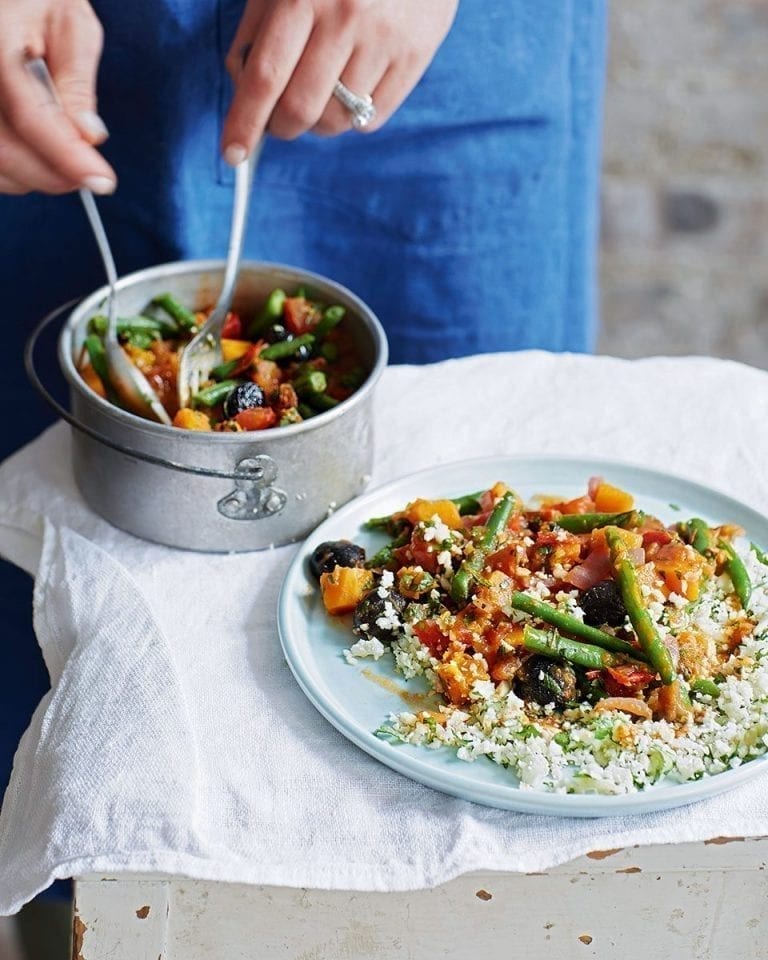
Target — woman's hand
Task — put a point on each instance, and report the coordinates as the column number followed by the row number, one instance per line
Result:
column 44, row 145
column 298, row 49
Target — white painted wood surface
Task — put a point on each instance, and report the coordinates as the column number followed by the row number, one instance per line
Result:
column 703, row 901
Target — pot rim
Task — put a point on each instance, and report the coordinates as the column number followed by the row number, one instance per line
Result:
column 182, row 267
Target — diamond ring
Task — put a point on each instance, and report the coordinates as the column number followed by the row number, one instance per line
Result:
column 362, row 109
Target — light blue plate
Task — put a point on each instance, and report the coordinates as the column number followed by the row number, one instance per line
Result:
column 358, row 698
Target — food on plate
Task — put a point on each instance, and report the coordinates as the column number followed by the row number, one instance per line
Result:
column 583, row 643
column 288, row 362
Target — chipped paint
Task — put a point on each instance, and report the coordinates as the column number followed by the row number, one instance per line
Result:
column 602, row 854
column 143, row 912
column 585, row 939
column 78, row 931
column 484, row 895
column 719, row 841
column 630, row 870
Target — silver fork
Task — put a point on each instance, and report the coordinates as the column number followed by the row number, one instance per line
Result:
column 203, row 352
column 130, row 384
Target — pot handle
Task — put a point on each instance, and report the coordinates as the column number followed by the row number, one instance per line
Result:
column 249, row 474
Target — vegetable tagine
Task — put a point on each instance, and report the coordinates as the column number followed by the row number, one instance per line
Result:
column 584, row 644
column 287, row 363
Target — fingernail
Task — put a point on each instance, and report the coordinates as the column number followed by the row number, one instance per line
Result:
column 92, row 124
column 234, row 154
column 100, row 185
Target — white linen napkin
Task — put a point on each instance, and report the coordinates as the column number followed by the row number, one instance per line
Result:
column 174, row 737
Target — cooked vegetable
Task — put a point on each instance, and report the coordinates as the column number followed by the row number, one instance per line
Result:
column 603, row 604
column 344, row 587
column 294, row 343
column 586, row 522
column 569, row 624
column 696, row 532
column 335, row 553
column 243, row 397
column 183, row 317
column 471, row 567
column 379, row 617
column 626, row 577
column 550, row 643
column 737, row 572
column 543, row 681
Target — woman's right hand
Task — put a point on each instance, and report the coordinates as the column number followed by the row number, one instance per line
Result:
column 44, row 145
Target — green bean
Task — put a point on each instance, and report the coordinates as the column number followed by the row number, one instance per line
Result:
column 469, row 504
column 737, row 572
column 571, row 624
column 224, row 370
column 322, row 402
column 586, row 522
column 286, row 348
column 271, row 312
column 629, row 586
column 760, row 554
column 98, row 357
column 330, row 351
column 310, row 383
column 138, row 324
column 706, row 687
column 473, row 565
column 211, row 396
column 385, row 556
column 696, row 532
column 332, row 317
column 549, row 643
column 185, row 318
column 306, row 411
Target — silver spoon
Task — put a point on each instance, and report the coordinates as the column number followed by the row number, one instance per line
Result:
column 130, row 384
column 203, row 352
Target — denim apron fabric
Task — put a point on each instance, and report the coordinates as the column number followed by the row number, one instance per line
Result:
column 468, row 222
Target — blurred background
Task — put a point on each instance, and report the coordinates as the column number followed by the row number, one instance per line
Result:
column 685, row 180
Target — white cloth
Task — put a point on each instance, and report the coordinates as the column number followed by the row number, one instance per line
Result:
column 174, row 737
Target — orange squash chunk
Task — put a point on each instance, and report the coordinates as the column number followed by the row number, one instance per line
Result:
column 610, row 499
column 344, row 587
column 424, row 510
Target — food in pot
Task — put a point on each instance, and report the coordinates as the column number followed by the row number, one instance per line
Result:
column 584, row 644
column 289, row 362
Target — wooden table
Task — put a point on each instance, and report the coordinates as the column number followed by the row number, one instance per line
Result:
column 693, row 901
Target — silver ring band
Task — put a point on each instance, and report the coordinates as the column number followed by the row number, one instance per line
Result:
column 362, row 109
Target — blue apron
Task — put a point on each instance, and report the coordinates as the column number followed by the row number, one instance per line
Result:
column 468, row 223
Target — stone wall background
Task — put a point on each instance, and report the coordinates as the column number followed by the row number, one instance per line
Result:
column 684, row 265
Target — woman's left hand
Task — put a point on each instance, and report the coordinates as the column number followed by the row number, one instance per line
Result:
column 288, row 54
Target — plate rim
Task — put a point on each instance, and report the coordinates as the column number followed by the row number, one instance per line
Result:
column 496, row 795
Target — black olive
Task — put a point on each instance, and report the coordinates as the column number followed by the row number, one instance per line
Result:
column 277, row 334
column 243, row 397
column 304, row 352
column 602, row 604
column 335, row 553
column 373, row 608
column 543, row 681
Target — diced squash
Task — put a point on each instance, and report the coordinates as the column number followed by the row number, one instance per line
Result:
column 610, row 499
column 234, row 349
column 189, row 419
column 344, row 587
column 425, row 510
column 93, row 380
column 458, row 673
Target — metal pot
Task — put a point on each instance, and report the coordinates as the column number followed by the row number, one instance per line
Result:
column 220, row 492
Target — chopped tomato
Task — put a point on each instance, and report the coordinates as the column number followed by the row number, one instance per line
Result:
column 257, row 418
column 299, row 315
column 233, row 327
column 579, row 505
column 433, row 638
column 244, row 362
column 625, row 679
